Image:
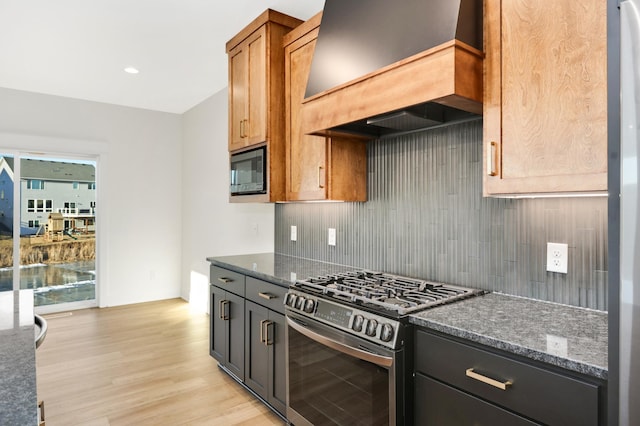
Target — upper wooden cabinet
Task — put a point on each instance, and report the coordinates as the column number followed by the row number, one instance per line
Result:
column 318, row 167
column 247, row 95
column 545, row 100
column 256, row 81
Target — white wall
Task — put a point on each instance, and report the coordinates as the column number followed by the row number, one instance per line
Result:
column 139, row 188
column 211, row 225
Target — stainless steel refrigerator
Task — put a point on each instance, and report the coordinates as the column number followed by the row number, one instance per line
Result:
column 629, row 225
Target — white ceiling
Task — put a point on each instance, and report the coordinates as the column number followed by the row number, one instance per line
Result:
column 79, row 48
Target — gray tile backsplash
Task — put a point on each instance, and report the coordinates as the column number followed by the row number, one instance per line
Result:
column 426, row 218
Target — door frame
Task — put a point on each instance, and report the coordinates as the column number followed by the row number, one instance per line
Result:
column 23, row 145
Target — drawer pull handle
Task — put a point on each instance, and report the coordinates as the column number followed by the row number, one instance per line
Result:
column 267, row 296
column 225, row 280
column 488, row 380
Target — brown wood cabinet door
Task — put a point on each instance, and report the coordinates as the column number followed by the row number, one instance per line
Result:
column 306, row 154
column 257, row 125
column 545, row 110
column 318, row 167
column 247, row 97
column 238, row 96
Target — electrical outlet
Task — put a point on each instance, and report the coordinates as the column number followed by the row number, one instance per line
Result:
column 557, row 345
column 332, row 236
column 294, row 233
column 557, row 257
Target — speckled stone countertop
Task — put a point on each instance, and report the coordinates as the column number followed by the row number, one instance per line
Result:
column 277, row 268
column 514, row 324
column 521, row 326
column 18, row 393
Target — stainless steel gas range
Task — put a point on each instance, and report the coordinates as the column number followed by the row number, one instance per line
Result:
column 349, row 343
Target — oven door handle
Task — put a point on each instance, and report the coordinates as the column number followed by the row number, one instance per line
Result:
column 381, row 360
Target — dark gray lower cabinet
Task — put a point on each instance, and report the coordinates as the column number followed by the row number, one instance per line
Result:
column 462, row 383
column 439, row 404
column 247, row 333
column 265, row 354
column 227, row 330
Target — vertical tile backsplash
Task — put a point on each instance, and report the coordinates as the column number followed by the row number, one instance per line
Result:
column 426, row 218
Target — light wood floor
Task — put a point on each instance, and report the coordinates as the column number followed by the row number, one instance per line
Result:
column 144, row 364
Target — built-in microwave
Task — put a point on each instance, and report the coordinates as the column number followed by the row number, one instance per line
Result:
column 249, row 172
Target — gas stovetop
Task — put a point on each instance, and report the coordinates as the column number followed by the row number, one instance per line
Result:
column 383, row 292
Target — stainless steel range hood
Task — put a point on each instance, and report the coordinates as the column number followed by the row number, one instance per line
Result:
column 381, row 67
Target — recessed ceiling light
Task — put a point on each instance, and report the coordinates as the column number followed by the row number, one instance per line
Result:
column 131, row 70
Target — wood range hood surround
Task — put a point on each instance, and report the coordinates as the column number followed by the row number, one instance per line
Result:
column 439, row 84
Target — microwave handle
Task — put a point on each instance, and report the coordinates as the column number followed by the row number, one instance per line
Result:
column 382, row 361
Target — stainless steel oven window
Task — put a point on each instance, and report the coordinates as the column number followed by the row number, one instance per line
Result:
column 338, row 383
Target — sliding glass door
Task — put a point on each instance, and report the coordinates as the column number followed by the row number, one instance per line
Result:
column 52, row 236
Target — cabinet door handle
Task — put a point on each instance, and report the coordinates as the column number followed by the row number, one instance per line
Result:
column 267, row 340
column 264, row 332
column 225, row 280
column 491, row 159
column 488, row 380
column 262, row 338
column 224, row 311
column 243, row 128
column 267, row 296
column 320, row 180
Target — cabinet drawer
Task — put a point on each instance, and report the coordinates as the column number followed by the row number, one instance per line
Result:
column 439, row 404
column 534, row 392
column 266, row 294
column 226, row 279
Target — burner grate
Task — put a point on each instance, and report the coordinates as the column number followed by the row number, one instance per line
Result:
column 390, row 292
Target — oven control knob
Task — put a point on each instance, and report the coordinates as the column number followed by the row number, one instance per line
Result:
column 386, row 334
column 309, row 305
column 300, row 302
column 358, row 320
column 291, row 300
column 372, row 326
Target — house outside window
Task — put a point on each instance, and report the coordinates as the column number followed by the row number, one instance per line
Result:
column 39, row 206
column 35, row 184
column 91, row 185
column 76, row 185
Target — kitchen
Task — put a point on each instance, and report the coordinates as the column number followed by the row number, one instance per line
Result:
column 513, row 224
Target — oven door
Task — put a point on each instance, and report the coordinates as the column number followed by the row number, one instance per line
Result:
column 334, row 378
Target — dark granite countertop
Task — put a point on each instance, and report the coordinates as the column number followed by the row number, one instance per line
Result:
column 514, row 324
column 18, row 393
column 276, row 268
column 566, row 336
